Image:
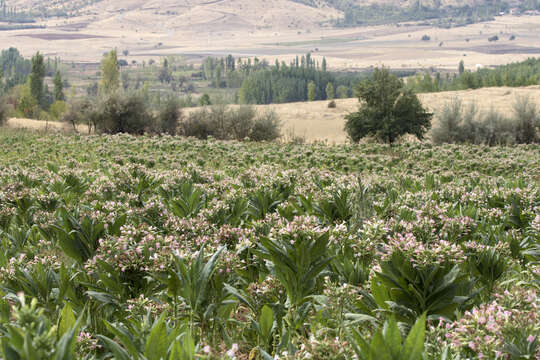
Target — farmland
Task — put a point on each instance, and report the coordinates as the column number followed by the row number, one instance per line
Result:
column 313, row 121
column 170, row 248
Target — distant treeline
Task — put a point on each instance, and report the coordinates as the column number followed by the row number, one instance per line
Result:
column 13, row 15
column 523, row 73
column 356, row 13
column 262, row 83
column 14, row 69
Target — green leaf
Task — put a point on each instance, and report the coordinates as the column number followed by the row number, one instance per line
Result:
column 265, row 355
column 67, row 320
column 118, row 352
column 379, row 294
column 266, row 321
column 65, row 349
column 378, row 349
column 157, row 345
column 125, row 339
column 392, row 337
column 414, row 345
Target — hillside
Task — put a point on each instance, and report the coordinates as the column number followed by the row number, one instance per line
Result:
column 271, row 29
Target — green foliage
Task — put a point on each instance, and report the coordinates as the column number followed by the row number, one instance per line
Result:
column 205, row 100
column 147, row 340
column 57, row 109
column 123, row 114
column 169, row 117
column 3, row 112
column 297, row 264
column 299, row 81
column 524, row 73
column 225, row 123
column 58, row 87
column 311, row 91
column 110, row 73
column 409, row 291
column 79, row 239
column 36, row 78
column 175, row 248
column 330, row 91
column 388, row 343
column 387, row 110
column 192, row 282
column 31, row 336
column 14, row 69
column 457, row 124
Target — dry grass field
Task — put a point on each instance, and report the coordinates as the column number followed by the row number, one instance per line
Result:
column 268, row 29
column 314, row 121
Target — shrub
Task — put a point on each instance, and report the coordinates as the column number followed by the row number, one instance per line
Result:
column 332, row 104
column 169, row 117
column 3, row 112
column 230, row 124
column 451, row 121
column 241, row 121
column 458, row 125
column 493, row 38
column 342, row 92
column 123, row 114
column 78, row 112
column 57, row 109
column 197, row 124
column 495, row 129
column 205, row 100
column 267, row 127
column 526, row 120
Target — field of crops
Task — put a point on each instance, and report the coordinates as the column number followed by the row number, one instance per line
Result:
column 166, row 248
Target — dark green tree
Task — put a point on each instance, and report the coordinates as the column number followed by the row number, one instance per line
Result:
column 388, row 110
column 37, row 75
column 205, row 100
column 58, row 87
column 461, row 68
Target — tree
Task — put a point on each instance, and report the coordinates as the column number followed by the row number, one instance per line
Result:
column 124, row 114
column 311, row 91
column 205, row 100
column 169, row 117
column 342, row 92
column 3, row 112
column 330, row 91
column 110, row 73
column 37, row 75
column 58, row 88
column 461, row 68
column 388, row 110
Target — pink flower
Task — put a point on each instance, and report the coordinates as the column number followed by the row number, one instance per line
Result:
column 531, row 338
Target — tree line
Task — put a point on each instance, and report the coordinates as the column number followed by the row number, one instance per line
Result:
column 524, row 73
column 357, row 13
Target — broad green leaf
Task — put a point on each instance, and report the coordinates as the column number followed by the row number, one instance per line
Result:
column 392, row 337
column 65, row 349
column 414, row 345
column 118, row 352
column 378, row 349
column 156, row 344
column 67, row 320
column 266, row 321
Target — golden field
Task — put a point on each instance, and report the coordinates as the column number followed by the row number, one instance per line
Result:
column 314, row 121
